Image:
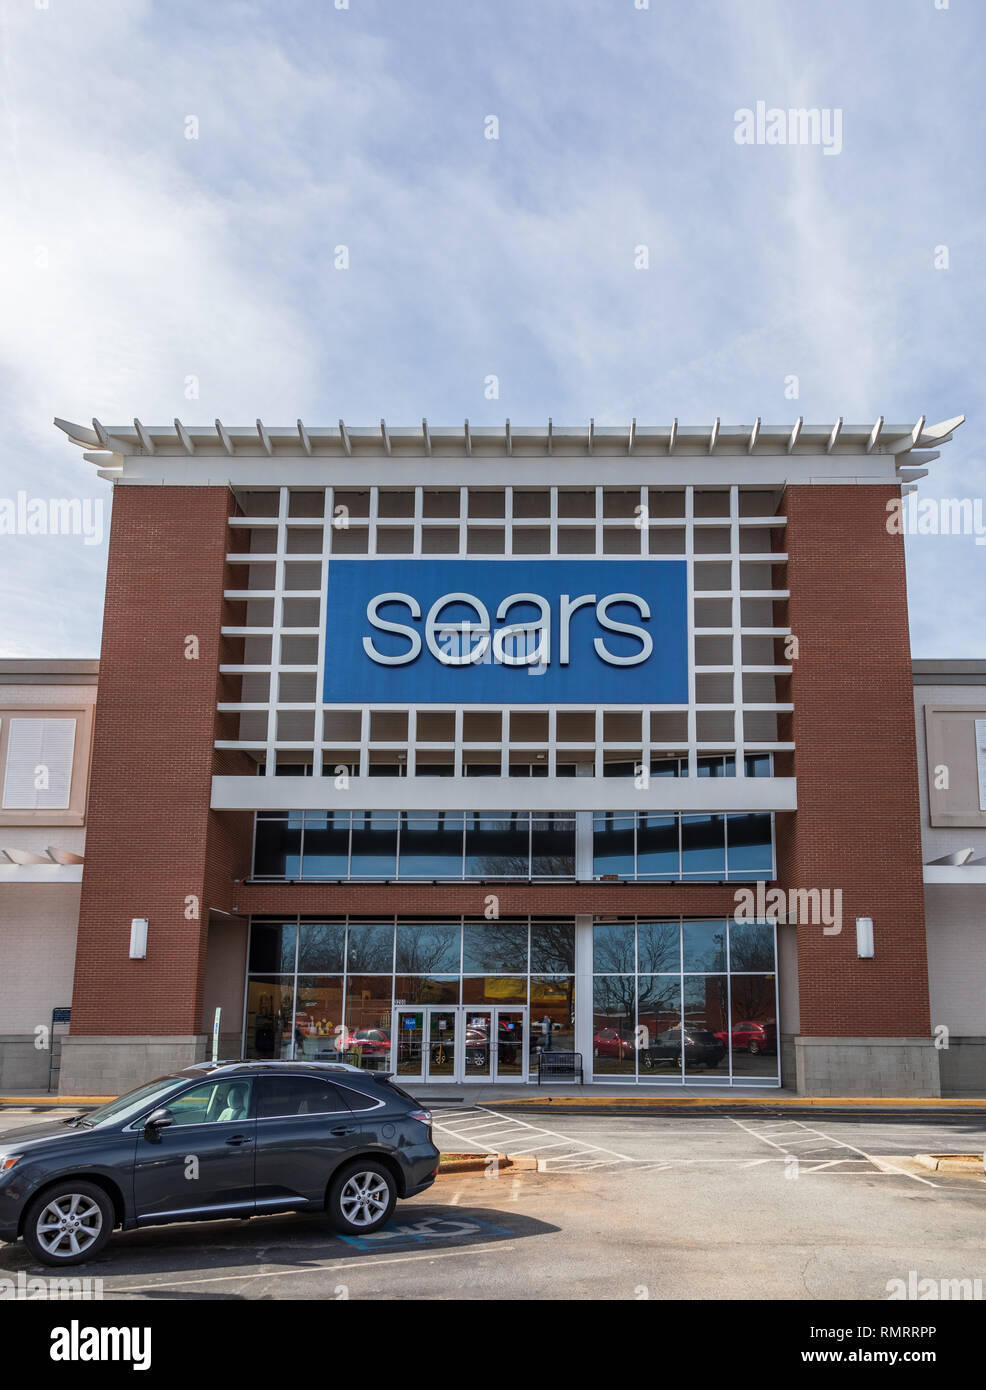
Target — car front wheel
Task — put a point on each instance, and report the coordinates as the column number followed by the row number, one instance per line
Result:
column 69, row 1223
column 361, row 1198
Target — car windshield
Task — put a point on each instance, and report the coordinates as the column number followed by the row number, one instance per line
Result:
column 126, row 1106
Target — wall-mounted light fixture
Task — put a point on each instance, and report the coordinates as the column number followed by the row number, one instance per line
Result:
column 864, row 937
column 138, row 938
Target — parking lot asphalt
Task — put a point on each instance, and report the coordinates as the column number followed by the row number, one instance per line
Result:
column 716, row 1207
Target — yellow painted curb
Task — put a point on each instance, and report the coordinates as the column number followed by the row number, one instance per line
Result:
column 68, row 1101
column 697, row 1102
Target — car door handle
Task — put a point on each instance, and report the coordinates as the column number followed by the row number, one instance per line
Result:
column 344, row 1129
column 238, row 1139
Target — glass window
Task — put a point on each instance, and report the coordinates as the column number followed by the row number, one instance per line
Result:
column 318, row 1030
column 269, row 1010
column 494, row 989
column 431, row 844
column 494, row 946
column 657, row 846
column 754, row 1034
column 498, row 846
column 613, row 1022
column 356, row 1100
column 659, row 1024
column 369, row 1005
column 659, row 947
column 706, row 1011
column 217, row 1102
column 279, row 1096
column 426, row 948
column 612, row 844
column 757, row 764
column 703, row 847
column 371, row 947
column 613, row 947
column 374, row 851
column 427, row 989
column 272, row 947
column 750, row 848
column 553, row 846
column 704, row 944
column 552, row 999
column 326, row 844
column 321, row 946
column 751, row 946
column 553, row 947
column 277, row 853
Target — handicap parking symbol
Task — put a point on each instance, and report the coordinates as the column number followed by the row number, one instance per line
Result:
column 426, row 1229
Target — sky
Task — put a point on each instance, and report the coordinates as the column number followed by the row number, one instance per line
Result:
column 146, row 273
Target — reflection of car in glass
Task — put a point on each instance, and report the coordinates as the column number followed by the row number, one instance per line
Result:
column 375, row 1041
column 753, row 1037
column 700, row 1047
column 478, row 1044
column 608, row 1043
column 270, row 1136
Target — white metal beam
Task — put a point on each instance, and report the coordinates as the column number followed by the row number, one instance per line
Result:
column 184, row 437
column 146, row 442
column 754, row 436
column 795, row 433
column 224, row 438
column 305, row 438
column 834, row 436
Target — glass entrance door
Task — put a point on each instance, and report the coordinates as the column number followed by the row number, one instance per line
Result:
column 486, row 1043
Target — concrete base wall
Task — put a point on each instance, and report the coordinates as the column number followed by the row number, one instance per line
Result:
column 108, row 1066
column 789, row 1064
column 867, row 1067
column 22, row 1064
column 963, row 1066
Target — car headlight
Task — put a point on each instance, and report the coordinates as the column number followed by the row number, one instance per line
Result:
column 8, row 1161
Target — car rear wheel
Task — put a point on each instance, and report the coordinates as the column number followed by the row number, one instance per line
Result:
column 754, row 1047
column 361, row 1198
column 69, row 1223
column 647, row 1061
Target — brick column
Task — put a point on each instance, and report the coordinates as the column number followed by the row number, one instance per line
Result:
column 152, row 843
column 864, row 1023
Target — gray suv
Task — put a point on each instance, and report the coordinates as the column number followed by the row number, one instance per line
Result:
column 230, row 1139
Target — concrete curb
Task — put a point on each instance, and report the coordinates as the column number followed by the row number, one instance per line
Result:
column 951, row 1163
column 735, row 1102
column 479, row 1163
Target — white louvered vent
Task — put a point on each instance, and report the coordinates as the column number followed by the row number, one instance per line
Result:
column 38, row 774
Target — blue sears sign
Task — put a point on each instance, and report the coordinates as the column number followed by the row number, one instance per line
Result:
column 499, row 632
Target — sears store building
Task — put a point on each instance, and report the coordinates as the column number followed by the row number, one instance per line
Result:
column 442, row 749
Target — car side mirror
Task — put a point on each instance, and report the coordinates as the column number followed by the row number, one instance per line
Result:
column 156, row 1121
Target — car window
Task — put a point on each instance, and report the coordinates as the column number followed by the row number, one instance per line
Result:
column 298, row 1095
column 356, row 1100
column 215, row 1102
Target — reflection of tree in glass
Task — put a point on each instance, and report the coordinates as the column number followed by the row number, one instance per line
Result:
column 427, row 950
column 495, row 947
column 658, row 946
column 613, row 949
column 615, row 998
column 371, row 948
column 320, row 946
column 705, row 945
column 751, row 946
column 753, row 999
column 552, row 947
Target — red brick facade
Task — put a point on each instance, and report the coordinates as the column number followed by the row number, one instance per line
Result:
column 857, row 826
column 153, row 847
